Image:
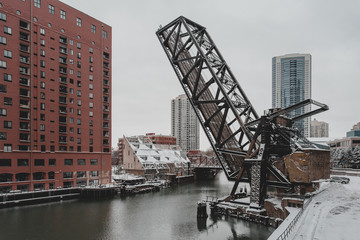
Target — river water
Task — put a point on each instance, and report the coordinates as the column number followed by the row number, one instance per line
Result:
column 168, row 214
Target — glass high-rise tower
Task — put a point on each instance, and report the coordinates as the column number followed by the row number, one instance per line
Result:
column 291, row 83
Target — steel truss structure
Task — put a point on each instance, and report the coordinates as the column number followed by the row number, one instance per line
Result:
column 243, row 142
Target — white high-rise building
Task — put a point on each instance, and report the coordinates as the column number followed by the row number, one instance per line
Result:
column 184, row 124
column 291, row 84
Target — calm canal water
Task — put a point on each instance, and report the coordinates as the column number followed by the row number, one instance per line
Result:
column 168, row 214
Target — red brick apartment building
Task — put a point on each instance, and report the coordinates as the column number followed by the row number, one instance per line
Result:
column 55, row 97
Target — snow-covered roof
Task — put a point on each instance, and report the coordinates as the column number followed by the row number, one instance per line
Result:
column 149, row 153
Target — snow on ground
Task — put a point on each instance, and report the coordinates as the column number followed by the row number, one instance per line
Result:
column 333, row 214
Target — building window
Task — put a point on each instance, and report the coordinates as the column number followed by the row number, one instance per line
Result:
column 104, row 34
column 78, row 45
column 42, row 106
column 93, row 28
column 42, row 74
column 2, row 88
column 23, row 162
column 8, row 124
column 2, row 112
column 79, row 131
column 8, row 30
column 91, row 95
column 7, row 101
column 78, row 121
column 94, row 173
column 78, row 22
column 79, row 94
column 3, row 16
column 91, row 114
column 3, row 136
column 42, row 127
column 81, row 161
column 91, row 50
column 42, row 31
column 51, row 9
column 2, row 64
column 81, row 174
column 7, row 147
column 37, row 3
column 42, row 52
column 68, row 162
column 7, row 77
column 42, row 63
column 68, row 175
column 42, row 42
column 93, row 162
column 6, row 163
column 79, row 112
column 7, row 54
column 52, row 162
column 39, row 162
column 91, row 105
column 62, row 14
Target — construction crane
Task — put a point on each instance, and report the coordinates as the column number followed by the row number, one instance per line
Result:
column 245, row 144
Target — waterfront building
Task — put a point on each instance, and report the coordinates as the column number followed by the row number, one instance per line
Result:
column 291, row 83
column 142, row 157
column 55, row 91
column 184, row 124
column 157, row 139
column 319, row 129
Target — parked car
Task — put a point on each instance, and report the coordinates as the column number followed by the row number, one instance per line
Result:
column 343, row 180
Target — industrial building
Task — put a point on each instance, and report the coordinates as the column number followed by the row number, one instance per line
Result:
column 55, row 91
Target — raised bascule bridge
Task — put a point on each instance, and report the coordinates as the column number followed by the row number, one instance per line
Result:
column 264, row 151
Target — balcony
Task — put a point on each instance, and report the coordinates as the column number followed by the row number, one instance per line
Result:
column 24, row 36
column 63, row 70
column 62, row 110
column 63, row 40
column 24, row 126
column 24, row 103
column 63, row 60
column 24, row 82
column 24, row 59
column 24, row 70
column 63, row 50
column 24, row 48
column 106, row 56
column 106, row 108
column 63, row 89
column 24, row 93
column 24, row 25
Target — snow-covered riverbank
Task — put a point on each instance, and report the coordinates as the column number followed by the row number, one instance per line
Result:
column 334, row 213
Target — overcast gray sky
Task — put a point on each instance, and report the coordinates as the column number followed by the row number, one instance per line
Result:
column 248, row 34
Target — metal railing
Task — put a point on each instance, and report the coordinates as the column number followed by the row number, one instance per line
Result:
column 292, row 224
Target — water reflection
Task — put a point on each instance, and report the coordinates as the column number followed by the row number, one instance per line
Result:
column 168, row 214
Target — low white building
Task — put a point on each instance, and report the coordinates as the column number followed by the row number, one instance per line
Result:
column 142, row 157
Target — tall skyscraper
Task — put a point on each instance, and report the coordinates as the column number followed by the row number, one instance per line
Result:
column 291, row 83
column 184, row 124
column 55, row 107
column 319, row 129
